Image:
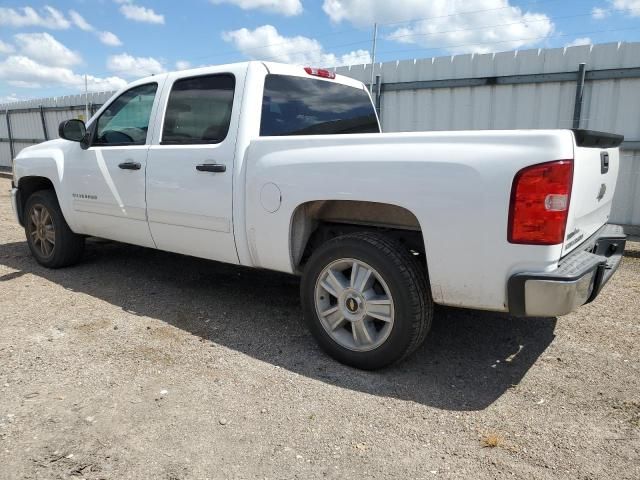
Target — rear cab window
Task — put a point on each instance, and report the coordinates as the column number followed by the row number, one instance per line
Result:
column 305, row 106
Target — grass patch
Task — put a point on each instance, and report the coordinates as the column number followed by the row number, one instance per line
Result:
column 492, row 440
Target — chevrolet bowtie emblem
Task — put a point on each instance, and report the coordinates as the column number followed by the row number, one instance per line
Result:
column 352, row 305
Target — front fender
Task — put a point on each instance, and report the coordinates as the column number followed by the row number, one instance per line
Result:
column 46, row 160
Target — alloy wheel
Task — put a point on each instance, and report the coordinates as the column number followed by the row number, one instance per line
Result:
column 354, row 304
column 42, row 230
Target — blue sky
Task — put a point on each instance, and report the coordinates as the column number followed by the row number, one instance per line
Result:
column 47, row 47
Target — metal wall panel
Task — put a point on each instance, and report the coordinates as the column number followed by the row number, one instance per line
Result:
column 626, row 202
column 3, row 129
column 4, row 152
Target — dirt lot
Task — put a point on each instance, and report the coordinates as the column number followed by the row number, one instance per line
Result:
column 141, row 364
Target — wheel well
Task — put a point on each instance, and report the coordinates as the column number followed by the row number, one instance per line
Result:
column 26, row 187
column 316, row 222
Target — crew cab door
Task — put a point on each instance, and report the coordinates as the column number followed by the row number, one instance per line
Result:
column 107, row 180
column 190, row 166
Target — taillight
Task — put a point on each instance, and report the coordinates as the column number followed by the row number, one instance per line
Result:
column 320, row 72
column 540, row 203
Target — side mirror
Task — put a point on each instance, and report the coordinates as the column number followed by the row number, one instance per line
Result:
column 73, row 130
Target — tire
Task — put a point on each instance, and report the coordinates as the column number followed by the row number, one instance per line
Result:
column 50, row 239
column 399, row 296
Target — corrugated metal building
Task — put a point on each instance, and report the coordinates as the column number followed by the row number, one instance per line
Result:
column 519, row 89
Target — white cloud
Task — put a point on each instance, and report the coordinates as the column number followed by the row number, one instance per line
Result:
column 53, row 19
column 356, row 57
column 580, row 41
column 79, row 21
column 127, row 65
column 599, row 13
column 183, row 65
column 288, row 8
column 442, row 24
column 21, row 71
column 45, row 49
column 265, row 43
column 48, row 17
column 107, row 38
column 630, row 7
column 137, row 13
column 110, row 39
column 6, row 47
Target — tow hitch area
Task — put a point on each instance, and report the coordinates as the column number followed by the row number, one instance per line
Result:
column 578, row 279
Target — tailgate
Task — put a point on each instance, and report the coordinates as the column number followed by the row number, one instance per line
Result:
column 595, row 172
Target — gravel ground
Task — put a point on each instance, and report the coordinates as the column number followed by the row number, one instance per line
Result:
column 140, row 364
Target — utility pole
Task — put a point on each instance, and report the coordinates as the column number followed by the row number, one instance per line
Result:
column 373, row 55
column 86, row 99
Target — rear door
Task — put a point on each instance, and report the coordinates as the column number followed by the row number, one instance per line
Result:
column 190, row 167
column 595, row 173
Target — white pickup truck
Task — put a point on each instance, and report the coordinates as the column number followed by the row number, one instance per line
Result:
column 284, row 168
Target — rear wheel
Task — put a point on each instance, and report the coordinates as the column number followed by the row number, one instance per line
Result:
column 366, row 300
column 50, row 239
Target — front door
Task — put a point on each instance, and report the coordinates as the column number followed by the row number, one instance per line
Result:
column 109, row 176
column 190, row 168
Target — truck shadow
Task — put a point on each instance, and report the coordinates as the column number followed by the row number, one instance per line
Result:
column 468, row 361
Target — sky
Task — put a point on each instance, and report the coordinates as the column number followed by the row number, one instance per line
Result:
column 47, row 48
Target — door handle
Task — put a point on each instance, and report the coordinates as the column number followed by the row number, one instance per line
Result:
column 130, row 166
column 604, row 162
column 211, row 167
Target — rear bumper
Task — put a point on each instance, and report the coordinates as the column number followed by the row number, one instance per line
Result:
column 578, row 279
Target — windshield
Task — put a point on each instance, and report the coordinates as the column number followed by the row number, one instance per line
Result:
column 305, row 106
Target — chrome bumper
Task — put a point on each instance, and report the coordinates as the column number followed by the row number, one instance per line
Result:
column 578, row 279
column 14, row 203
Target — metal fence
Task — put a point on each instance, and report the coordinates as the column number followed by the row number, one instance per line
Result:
column 33, row 121
column 595, row 87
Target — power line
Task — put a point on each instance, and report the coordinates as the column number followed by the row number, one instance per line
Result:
column 515, row 40
column 324, row 35
column 392, row 37
column 442, row 47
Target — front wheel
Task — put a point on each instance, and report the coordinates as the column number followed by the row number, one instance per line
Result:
column 50, row 239
column 366, row 300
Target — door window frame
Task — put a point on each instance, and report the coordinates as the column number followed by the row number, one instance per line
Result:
column 93, row 129
column 169, row 90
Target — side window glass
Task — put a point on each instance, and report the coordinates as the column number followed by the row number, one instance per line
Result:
column 199, row 110
column 126, row 120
